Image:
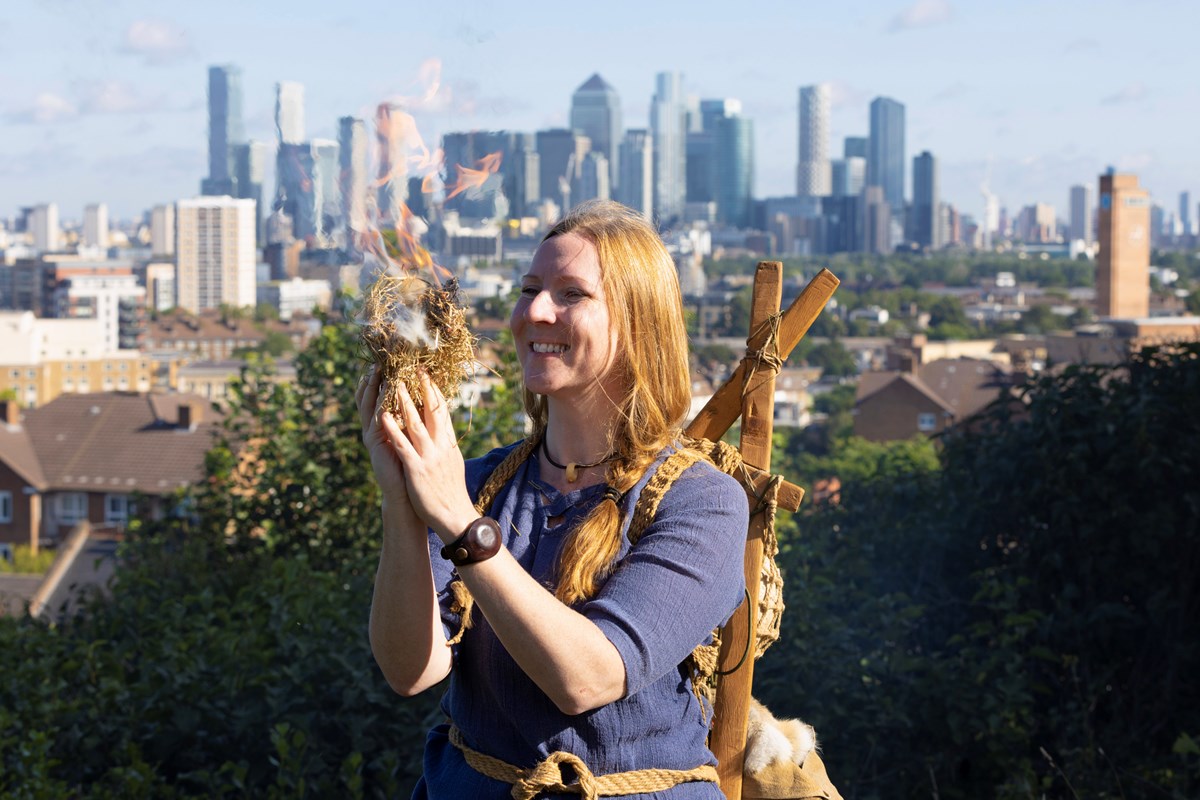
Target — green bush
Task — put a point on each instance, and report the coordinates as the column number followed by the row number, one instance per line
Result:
column 25, row 562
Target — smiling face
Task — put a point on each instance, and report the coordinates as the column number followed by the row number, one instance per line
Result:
column 561, row 326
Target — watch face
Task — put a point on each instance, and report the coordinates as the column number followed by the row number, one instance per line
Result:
column 487, row 535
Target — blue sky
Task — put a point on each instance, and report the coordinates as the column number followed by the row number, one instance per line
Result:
column 104, row 100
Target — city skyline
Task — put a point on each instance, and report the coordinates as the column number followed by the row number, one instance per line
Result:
column 107, row 105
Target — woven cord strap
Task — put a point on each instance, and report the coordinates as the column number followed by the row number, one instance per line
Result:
column 547, row 775
column 461, row 601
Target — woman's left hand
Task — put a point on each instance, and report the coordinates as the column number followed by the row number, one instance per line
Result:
column 433, row 464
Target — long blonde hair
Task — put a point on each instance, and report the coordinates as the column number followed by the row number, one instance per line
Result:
column 645, row 308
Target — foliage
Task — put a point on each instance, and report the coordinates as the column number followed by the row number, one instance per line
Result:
column 26, row 562
column 1017, row 623
column 1007, row 614
column 833, row 358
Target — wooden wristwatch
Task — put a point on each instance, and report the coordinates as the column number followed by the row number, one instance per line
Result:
column 479, row 542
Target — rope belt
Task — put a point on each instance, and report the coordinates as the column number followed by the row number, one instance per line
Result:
column 547, row 775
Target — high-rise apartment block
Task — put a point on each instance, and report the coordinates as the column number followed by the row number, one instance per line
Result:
column 43, row 223
column 668, row 126
column 1081, row 214
column 813, row 178
column 216, row 255
column 162, row 230
column 224, row 128
column 636, row 185
column 596, row 113
column 1123, row 264
column 95, row 225
column 885, row 157
column 926, row 210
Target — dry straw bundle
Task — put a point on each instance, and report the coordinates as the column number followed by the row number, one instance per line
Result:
column 409, row 324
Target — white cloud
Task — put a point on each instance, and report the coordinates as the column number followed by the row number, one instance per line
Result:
column 921, row 14
column 46, row 109
column 1127, row 94
column 158, row 41
column 114, row 97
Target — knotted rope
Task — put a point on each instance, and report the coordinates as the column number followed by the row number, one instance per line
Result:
column 548, row 775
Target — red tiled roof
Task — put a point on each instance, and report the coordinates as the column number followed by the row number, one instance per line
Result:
column 16, row 450
column 120, row 441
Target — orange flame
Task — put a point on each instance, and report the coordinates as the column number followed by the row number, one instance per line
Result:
column 475, row 178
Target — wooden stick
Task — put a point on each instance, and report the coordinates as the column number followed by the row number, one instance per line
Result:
column 722, row 409
column 728, row 740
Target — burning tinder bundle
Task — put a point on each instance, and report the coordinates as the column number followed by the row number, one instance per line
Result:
column 409, row 324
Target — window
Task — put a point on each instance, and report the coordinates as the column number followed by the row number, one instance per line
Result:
column 70, row 507
column 926, row 422
column 118, row 508
column 6, row 507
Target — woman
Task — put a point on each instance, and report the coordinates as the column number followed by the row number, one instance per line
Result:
column 576, row 640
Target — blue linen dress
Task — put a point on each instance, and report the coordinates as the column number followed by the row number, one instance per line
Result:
column 683, row 579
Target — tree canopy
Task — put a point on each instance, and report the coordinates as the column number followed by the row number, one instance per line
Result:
column 1007, row 613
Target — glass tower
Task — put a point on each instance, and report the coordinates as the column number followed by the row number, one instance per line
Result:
column 885, row 160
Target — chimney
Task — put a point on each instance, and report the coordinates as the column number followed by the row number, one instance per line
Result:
column 189, row 415
column 10, row 412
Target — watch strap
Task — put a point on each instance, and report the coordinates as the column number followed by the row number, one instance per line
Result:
column 480, row 541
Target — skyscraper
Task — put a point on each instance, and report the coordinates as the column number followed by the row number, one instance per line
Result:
column 734, row 157
column 392, row 129
column 295, row 185
column 849, row 176
column 296, row 193
column 216, row 255
column 855, row 147
column 224, row 128
column 327, row 197
column 877, row 221
column 668, row 126
column 289, row 112
column 249, row 170
column 560, row 156
column 1185, row 212
column 885, row 158
column 636, row 186
column 352, row 176
column 1123, row 264
column 593, row 179
column 813, row 178
column 1081, row 214
column 95, row 225
column 926, row 211
column 596, row 113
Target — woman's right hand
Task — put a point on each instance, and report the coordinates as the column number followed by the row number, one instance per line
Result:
column 379, row 432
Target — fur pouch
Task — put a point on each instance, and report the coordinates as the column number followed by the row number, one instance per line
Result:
column 781, row 760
